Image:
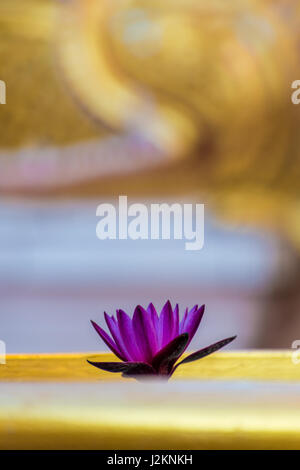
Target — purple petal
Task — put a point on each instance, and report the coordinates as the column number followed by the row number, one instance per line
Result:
column 166, row 324
column 206, row 351
column 152, row 311
column 164, row 360
column 181, row 324
column 176, row 321
column 115, row 332
column 108, row 341
column 155, row 320
column 128, row 368
column 145, row 335
column 128, row 337
column 186, row 315
column 192, row 322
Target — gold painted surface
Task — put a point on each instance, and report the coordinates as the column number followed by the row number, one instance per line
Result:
column 271, row 365
column 234, row 400
column 39, row 110
column 224, row 93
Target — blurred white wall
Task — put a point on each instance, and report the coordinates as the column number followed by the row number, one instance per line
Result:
column 55, row 275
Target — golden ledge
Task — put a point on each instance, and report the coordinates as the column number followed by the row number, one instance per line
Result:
column 231, row 400
column 260, row 365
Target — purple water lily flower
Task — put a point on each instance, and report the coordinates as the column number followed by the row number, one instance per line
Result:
column 150, row 344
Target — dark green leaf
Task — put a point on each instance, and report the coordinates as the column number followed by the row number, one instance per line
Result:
column 128, row 368
column 166, row 357
column 206, row 351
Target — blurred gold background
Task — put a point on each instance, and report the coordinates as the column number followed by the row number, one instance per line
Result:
column 207, row 86
column 149, row 98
